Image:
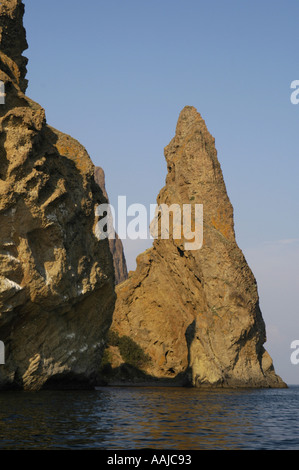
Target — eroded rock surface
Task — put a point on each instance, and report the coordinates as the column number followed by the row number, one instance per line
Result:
column 194, row 313
column 56, row 278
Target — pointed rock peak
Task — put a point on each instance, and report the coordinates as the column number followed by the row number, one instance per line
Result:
column 13, row 39
column 188, row 118
column 193, row 311
column 191, row 138
column 193, row 167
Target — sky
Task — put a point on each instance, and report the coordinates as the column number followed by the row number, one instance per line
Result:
column 115, row 75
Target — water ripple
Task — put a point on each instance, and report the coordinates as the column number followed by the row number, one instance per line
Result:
column 156, row 418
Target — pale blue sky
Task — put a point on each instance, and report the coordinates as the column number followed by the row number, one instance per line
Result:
column 116, row 74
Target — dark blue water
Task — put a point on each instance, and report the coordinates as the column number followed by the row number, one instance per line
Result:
column 156, row 418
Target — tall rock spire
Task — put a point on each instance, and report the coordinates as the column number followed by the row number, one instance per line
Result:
column 195, row 312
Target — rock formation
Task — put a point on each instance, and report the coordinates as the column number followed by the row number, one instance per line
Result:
column 193, row 312
column 185, row 316
column 56, row 278
column 116, row 246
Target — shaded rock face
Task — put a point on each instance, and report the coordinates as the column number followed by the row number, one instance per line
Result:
column 194, row 313
column 116, row 246
column 56, row 278
column 13, row 42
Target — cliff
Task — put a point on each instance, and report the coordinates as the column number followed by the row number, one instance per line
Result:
column 56, row 278
column 189, row 314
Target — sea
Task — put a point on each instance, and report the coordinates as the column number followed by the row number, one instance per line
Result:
column 121, row 418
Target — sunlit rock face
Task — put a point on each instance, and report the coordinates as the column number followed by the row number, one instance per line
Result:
column 193, row 309
column 56, row 278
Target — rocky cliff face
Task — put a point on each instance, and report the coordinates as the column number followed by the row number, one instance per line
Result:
column 116, row 246
column 185, row 316
column 56, row 278
column 191, row 316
